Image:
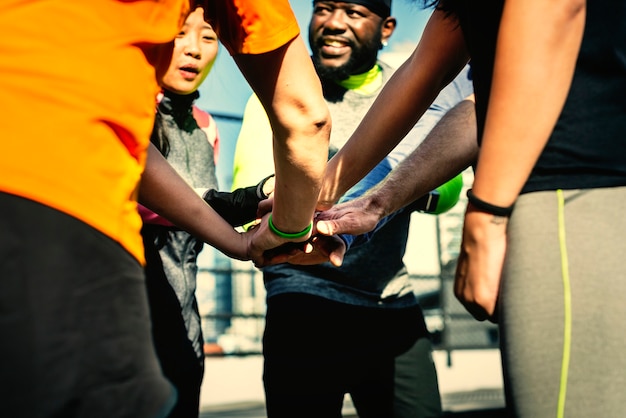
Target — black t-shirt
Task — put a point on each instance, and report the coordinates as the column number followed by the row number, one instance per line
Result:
column 588, row 145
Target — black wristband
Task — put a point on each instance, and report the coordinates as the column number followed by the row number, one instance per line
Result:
column 488, row 207
column 259, row 188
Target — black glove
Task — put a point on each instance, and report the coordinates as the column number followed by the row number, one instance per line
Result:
column 239, row 206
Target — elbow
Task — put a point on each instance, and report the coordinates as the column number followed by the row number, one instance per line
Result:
column 576, row 7
column 316, row 120
column 324, row 124
column 572, row 10
column 306, row 123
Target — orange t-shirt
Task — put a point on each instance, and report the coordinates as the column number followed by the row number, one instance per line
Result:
column 77, row 93
column 253, row 26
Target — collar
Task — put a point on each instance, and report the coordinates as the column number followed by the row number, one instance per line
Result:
column 177, row 104
column 365, row 83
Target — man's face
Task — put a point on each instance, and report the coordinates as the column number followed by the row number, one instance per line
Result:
column 344, row 38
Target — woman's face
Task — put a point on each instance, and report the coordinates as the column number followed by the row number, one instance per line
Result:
column 193, row 55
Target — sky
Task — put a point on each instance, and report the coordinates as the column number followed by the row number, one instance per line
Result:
column 225, row 90
column 224, row 93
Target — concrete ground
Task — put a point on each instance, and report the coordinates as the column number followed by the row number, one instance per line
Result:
column 470, row 382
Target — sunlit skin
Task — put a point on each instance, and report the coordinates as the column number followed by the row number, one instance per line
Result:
column 341, row 34
column 345, row 39
column 194, row 52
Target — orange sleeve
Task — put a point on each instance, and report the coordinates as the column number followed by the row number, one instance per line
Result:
column 253, row 26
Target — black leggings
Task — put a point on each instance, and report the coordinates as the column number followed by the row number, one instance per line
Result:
column 178, row 359
column 316, row 350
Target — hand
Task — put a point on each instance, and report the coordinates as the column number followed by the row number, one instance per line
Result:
column 262, row 239
column 264, row 207
column 318, row 249
column 355, row 217
column 480, row 262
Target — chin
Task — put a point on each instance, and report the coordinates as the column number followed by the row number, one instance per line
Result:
column 334, row 63
column 184, row 88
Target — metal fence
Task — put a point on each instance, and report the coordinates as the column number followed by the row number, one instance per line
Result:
column 238, row 329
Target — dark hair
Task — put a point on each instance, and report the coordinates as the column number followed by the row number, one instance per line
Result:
column 444, row 5
column 157, row 137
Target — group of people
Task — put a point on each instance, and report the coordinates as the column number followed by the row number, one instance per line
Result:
column 356, row 328
column 80, row 109
column 106, row 202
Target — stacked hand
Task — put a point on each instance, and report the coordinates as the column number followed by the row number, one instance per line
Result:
column 354, row 217
column 266, row 248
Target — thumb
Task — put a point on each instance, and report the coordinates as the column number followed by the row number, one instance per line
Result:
column 326, row 227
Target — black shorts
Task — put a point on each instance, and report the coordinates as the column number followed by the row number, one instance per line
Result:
column 74, row 321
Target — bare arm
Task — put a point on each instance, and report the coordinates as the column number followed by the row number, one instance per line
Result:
column 449, row 148
column 163, row 191
column 290, row 91
column 537, row 47
column 438, row 58
column 536, row 53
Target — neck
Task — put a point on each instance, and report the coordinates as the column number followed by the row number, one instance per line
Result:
column 365, row 83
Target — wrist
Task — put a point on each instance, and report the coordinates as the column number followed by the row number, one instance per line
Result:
column 265, row 187
column 483, row 206
column 289, row 235
column 376, row 205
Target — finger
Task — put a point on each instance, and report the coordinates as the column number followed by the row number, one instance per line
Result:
column 264, row 207
column 336, row 257
column 323, row 205
column 494, row 317
column 277, row 257
column 476, row 311
column 325, row 227
column 460, row 275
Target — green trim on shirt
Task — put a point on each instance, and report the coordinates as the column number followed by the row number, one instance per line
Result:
column 366, row 83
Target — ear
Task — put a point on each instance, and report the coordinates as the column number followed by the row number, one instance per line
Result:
column 388, row 26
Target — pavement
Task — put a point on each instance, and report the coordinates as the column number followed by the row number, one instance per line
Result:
column 470, row 382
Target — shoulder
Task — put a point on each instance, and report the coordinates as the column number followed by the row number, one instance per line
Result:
column 206, row 122
column 203, row 118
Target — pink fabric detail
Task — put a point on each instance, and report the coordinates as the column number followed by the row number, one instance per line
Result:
column 207, row 124
column 149, row 217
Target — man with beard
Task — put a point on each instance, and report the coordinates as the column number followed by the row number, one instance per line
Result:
column 357, row 328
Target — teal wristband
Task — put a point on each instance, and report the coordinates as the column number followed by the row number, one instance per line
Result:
column 288, row 235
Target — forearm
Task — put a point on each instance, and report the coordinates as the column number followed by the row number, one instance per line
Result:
column 163, row 191
column 299, row 169
column 439, row 56
column 448, row 149
column 537, row 48
column 301, row 125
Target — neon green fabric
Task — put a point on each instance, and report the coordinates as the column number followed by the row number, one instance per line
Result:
column 449, row 194
column 366, row 83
